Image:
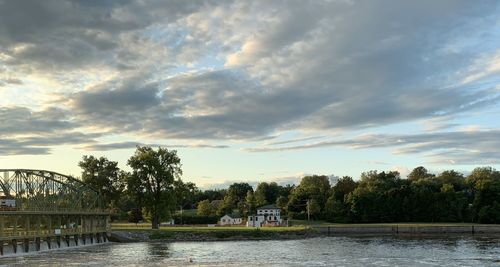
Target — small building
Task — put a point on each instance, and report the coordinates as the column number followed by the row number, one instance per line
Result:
column 269, row 215
column 232, row 219
column 7, row 203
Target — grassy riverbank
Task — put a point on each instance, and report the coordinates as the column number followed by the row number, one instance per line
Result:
column 304, row 229
column 132, row 232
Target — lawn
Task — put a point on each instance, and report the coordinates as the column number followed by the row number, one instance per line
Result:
column 147, row 226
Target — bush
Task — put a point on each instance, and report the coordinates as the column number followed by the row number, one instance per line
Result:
column 195, row 219
column 490, row 213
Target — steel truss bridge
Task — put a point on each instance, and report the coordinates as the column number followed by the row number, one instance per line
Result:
column 45, row 210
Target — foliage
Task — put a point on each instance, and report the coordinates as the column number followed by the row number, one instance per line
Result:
column 151, row 182
column 185, row 194
column 205, row 208
column 197, row 219
column 282, row 202
column 105, row 177
column 268, row 192
column 227, row 205
column 135, row 215
column 154, row 189
column 310, row 187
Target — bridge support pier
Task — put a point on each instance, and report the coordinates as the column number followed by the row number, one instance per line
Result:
column 37, row 243
column 26, row 245
column 14, row 245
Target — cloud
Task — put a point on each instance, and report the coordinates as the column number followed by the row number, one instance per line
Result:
column 314, row 68
column 458, row 147
column 27, row 132
column 73, row 34
column 21, row 120
column 128, row 145
column 238, row 70
column 42, row 144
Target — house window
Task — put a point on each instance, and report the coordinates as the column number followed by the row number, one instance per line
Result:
column 251, row 218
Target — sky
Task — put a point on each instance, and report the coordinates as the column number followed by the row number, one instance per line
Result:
column 252, row 90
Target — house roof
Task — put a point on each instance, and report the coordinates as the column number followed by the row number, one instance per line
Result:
column 268, row 207
column 233, row 215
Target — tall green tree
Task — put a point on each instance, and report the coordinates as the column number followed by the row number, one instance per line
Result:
column 104, row 176
column 238, row 191
column 151, row 182
column 315, row 187
column 227, row 205
column 268, row 191
column 251, row 204
column 205, row 208
column 281, row 202
column 186, row 194
column 419, row 173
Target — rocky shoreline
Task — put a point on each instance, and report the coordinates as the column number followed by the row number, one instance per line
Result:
column 180, row 236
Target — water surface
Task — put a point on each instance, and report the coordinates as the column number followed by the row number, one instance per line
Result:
column 325, row 251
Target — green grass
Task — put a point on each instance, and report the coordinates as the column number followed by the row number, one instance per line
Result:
column 192, row 212
column 147, row 226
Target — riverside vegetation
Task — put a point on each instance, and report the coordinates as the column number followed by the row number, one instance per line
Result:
column 154, row 192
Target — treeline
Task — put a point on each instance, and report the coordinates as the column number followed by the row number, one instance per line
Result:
column 154, row 191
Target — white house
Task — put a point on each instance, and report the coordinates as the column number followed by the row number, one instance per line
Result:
column 230, row 220
column 268, row 215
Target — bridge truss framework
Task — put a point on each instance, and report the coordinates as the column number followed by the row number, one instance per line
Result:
column 51, row 210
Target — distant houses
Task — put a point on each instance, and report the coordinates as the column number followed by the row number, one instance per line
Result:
column 269, row 215
column 231, row 219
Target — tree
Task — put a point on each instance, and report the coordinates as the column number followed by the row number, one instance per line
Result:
column 238, row 191
column 154, row 172
column 250, row 202
column 213, row 194
column 315, row 187
column 281, row 202
column 205, row 208
column 419, row 173
column 104, row 176
column 227, row 205
column 313, row 208
column 343, row 187
column 260, row 198
column 268, row 192
column 185, row 194
column 135, row 215
column 484, row 189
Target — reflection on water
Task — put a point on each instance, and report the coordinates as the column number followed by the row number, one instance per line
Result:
column 327, row 251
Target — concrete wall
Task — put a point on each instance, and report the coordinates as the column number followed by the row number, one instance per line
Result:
column 404, row 229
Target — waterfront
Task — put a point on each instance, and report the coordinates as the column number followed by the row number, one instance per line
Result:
column 325, row 251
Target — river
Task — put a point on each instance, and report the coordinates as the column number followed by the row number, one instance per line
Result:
column 323, row 251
